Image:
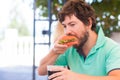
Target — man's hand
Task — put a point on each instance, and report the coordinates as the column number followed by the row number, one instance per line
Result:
column 59, row 48
column 63, row 74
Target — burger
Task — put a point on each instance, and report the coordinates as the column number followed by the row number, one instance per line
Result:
column 68, row 40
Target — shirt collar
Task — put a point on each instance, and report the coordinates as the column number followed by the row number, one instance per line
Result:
column 100, row 40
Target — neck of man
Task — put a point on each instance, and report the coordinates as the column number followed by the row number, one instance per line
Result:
column 90, row 43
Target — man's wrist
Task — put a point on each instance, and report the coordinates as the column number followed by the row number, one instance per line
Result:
column 54, row 52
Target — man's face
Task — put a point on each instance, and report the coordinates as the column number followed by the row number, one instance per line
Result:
column 73, row 26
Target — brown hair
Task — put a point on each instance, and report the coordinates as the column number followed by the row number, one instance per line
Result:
column 80, row 9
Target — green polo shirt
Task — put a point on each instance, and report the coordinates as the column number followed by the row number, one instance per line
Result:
column 103, row 57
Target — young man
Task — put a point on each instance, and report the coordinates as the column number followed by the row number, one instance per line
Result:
column 95, row 57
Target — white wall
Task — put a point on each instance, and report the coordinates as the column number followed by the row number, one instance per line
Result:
column 116, row 36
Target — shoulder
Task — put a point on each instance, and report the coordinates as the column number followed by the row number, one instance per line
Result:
column 111, row 43
column 112, row 48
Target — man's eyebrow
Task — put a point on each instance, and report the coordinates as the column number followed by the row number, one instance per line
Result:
column 68, row 23
column 63, row 25
column 71, row 22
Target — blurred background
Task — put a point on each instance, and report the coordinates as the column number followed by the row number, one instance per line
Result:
column 26, row 28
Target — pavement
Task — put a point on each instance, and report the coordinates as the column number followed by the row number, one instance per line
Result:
column 18, row 67
column 19, row 73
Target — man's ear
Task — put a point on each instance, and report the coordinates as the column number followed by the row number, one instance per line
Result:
column 90, row 23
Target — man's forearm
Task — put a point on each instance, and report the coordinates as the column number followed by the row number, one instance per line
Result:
column 87, row 77
column 49, row 59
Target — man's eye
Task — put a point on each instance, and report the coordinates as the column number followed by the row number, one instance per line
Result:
column 64, row 26
column 72, row 24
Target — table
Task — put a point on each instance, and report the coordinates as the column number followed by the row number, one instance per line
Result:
column 43, row 77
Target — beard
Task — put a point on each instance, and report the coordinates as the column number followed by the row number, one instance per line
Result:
column 82, row 41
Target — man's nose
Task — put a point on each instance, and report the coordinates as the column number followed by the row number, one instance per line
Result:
column 68, row 31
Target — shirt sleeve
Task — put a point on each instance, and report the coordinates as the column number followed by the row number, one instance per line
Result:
column 113, row 59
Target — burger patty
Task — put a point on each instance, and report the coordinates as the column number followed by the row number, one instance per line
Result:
column 67, row 41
